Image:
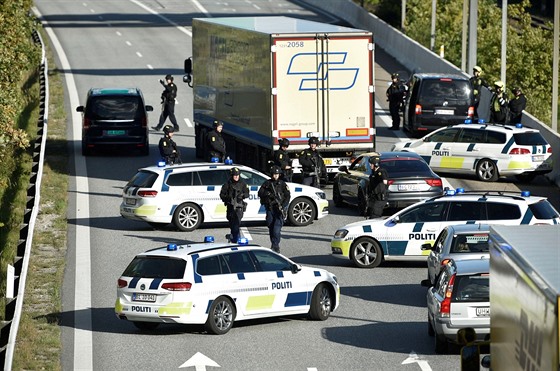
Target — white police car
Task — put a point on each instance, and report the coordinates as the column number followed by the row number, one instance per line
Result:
column 188, row 195
column 218, row 283
column 487, row 150
column 401, row 236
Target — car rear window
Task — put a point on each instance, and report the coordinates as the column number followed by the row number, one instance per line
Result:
column 543, row 210
column 143, row 179
column 472, row 288
column 448, row 89
column 120, row 107
column 156, row 267
column 470, row 243
column 401, row 167
column 529, row 139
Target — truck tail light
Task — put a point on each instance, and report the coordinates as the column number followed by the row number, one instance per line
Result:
column 445, row 307
column 470, row 113
column 148, row 193
column 418, row 109
column 121, row 283
column 177, row 286
column 434, row 182
column 519, row 151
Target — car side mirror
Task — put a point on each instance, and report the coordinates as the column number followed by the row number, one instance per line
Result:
column 426, row 246
column 188, row 66
column 425, row 283
column 80, row 109
column 295, row 268
column 396, row 219
column 149, row 108
column 343, row 169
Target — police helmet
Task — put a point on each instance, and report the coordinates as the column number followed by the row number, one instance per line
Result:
column 394, row 76
column 313, row 140
column 169, row 77
column 234, row 171
column 374, row 160
column 477, row 69
column 168, row 129
column 516, row 90
column 499, row 84
column 275, row 170
column 217, row 123
column 284, row 142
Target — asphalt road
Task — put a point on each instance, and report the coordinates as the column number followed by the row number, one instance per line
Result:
column 381, row 322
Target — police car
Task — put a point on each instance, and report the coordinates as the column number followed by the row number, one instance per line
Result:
column 218, row 283
column 188, row 195
column 487, row 150
column 401, row 236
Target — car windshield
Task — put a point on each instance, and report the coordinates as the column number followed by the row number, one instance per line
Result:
column 475, row 288
column 530, row 139
column 142, row 179
column 402, row 168
column 119, row 107
column 470, row 243
column 156, row 267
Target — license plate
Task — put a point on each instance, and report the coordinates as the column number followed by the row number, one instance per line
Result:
column 116, row 132
column 445, row 112
column 143, row 297
column 327, row 161
column 538, row 158
column 407, row 187
column 130, row 201
column 483, row 311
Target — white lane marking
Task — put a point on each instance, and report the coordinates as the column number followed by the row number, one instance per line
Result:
column 83, row 344
column 118, row 33
column 413, row 358
column 199, row 361
column 128, row 43
column 201, row 8
column 245, row 233
column 92, row 11
column 139, row 54
column 188, row 122
column 150, row 67
column 180, row 28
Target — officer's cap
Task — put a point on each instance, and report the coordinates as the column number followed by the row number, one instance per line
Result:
column 275, row 170
column 169, row 77
column 168, row 129
column 477, row 69
column 234, row 171
column 217, row 123
column 313, row 140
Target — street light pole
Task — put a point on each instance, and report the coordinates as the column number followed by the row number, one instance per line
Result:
column 504, row 41
column 473, row 21
column 433, row 36
column 554, row 121
column 464, row 37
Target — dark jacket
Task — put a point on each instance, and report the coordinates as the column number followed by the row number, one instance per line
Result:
column 282, row 159
column 233, row 193
column 274, row 194
column 216, row 145
column 168, row 149
column 311, row 162
column 377, row 189
column 169, row 94
column 395, row 94
column 477, row 83
column 516, row 107
column 499, row 108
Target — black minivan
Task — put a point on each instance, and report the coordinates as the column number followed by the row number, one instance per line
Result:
column 435, row 100
column 114, row 118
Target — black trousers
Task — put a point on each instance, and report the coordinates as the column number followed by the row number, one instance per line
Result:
column 234, row 217
column 168, row 111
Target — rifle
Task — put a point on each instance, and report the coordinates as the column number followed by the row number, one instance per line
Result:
column 233, row 200
column 278, row 204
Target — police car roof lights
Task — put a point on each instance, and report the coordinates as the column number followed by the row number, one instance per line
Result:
column 460, row 190
column 242, row 241
column 161, row 163
column 171, row 247
column 228, row 161
column 525, row 194
column 519, row 125
column 468, row 121
column 214, row 160
column 450, row 192
column 208, row 239
column 481, row 121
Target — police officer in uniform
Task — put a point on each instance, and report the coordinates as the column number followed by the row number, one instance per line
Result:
column 312, row 164
column 168, row 103
column 168, row 148
column 282, row 159
column 477, row 83
column 216, row 143
column 274, row 194
column 499, row 104
column 377, row 188
column 233, row 192
column 517, row 105
column 395, row 94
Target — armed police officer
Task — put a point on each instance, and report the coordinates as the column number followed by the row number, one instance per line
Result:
column 516, row 106
column 282, row 159
column 477, row 82
column 395, row 94
column 168, row 103
column 168, row 148
column 377, row 188
column 216, row 143
column 233, row 192
column 312, row 164
column 274, row 194
column 499, row 104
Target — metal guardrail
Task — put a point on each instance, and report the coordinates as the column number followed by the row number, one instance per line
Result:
column 10, row 325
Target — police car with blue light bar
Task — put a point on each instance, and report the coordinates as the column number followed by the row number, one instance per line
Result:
column 218, row 283
column 188, row 195
column 488, row 150
column 401, row 236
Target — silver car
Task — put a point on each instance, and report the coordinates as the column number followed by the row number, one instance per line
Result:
column 459, row 299
column 458, row 242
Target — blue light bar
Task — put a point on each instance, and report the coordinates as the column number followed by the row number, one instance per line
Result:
column 460, row 190
column 214, row 160
column 481, row 121
column 228, row 161
column 525, row 194
column 519, row 126
column 171, row 247
column 450, row 192
column 161, row 163
column 468, row 121
column 242, row 241
column 208, row 239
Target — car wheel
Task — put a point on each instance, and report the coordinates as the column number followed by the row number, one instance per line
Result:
column 187, row 217
column 321, row 303
column 431, row 331
column 486, row 170
column 221, row 316
column 526, row 178
column 301, row 212
column 362, row 202
column 440, row 344
column 145, row 326
column 336, row 196
column 366, row 253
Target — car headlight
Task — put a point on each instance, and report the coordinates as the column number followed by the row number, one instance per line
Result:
column 341, row 233
column 321, row 195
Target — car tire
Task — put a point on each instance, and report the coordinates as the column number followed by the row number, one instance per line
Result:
column 145, row 326
column 431, row 331
column 526, row 178
column 221, row 316
column 337, row 197
column 366, row 253
column 486, row 170
column 440, row 344
column 321, row 303
column 362, row 202
column 187, row 217
column 301, row 212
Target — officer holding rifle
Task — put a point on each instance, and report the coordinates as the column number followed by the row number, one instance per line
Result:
column 312, row 164
column 274, row 194
column 233, row 192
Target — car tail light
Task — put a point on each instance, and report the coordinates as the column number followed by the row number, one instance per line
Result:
column 434, row 182
column 519, row 151
column 549, row 150
column 121, row 283
column 470, row 113
column 144, row 122
column 418, row 109
column 87, row 123
column 445, row 307
column 148, row 193
column 390, row 181
column 177, row 286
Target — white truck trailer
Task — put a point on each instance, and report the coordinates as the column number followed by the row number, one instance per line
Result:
column 524, row 295
column 268, row 78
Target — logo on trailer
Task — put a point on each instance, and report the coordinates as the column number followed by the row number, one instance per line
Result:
column 330, row 73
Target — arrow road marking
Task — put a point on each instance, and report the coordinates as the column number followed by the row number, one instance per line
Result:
column 199, row 361
column 413, row 358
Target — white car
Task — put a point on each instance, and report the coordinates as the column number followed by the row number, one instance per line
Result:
column 218, row 283
column 401, row 236
column 487, row 150
column 188, row 195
